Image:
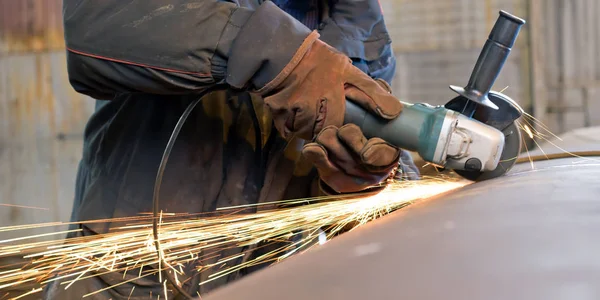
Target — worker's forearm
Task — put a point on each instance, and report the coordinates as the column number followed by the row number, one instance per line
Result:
column 264, row 46
column 358, row 29
column 174, row 47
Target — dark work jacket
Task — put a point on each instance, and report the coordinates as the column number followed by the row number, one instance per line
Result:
column 145, row 61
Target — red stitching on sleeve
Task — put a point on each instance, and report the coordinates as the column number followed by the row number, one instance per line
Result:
column 136, row 64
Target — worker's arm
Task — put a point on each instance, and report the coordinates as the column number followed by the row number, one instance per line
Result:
column 358, row 29
column 174, row 46
column 346, row 160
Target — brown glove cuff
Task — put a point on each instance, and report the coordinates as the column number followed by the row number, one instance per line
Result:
column 306, row 45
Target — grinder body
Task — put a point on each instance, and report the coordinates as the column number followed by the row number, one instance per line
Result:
column 474, row 134
column 441, row 136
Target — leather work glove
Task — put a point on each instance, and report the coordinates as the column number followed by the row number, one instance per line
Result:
column 310, row 93
column 307, row 99
column 347, row 162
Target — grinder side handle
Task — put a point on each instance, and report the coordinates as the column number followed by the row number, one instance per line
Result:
column 490, row 62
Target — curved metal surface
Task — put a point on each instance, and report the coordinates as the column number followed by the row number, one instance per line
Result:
column 532, row 234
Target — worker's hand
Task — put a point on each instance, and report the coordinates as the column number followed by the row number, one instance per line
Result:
column 347, row 162
column 311, row 91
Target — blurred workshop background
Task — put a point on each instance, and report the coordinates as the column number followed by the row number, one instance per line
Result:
column 553, row 72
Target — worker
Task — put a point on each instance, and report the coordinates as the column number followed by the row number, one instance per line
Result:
column 273, row 131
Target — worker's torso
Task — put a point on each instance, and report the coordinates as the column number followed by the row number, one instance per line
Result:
column 226, row 154
column 220, row 158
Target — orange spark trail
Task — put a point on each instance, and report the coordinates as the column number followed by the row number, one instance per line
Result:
column 184, row 239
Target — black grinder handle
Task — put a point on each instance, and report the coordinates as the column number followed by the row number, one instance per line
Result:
column 494, row 53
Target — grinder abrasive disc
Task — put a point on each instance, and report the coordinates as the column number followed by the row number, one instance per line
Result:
column 505, row 119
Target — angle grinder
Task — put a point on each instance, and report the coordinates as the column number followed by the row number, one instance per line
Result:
column 474, row 134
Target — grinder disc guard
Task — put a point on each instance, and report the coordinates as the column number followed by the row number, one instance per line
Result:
column 503, row 119
column 494, row 109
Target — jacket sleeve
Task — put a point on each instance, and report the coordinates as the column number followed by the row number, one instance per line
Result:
column 358, row 29
column 175, row 46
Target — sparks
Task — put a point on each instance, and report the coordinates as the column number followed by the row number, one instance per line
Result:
column 204, row 238
column 23, row 206
column 529, row 125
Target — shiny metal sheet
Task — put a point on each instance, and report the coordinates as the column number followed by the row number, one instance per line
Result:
column 532, row 234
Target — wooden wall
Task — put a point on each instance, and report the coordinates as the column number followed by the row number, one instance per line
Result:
column 553, row 71
column 437, row 44
column 566, row 68
column 41, row 117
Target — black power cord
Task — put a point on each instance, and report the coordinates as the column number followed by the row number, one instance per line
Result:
column 158, row 182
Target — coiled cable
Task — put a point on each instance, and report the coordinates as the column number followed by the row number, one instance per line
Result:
column 158, row 182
